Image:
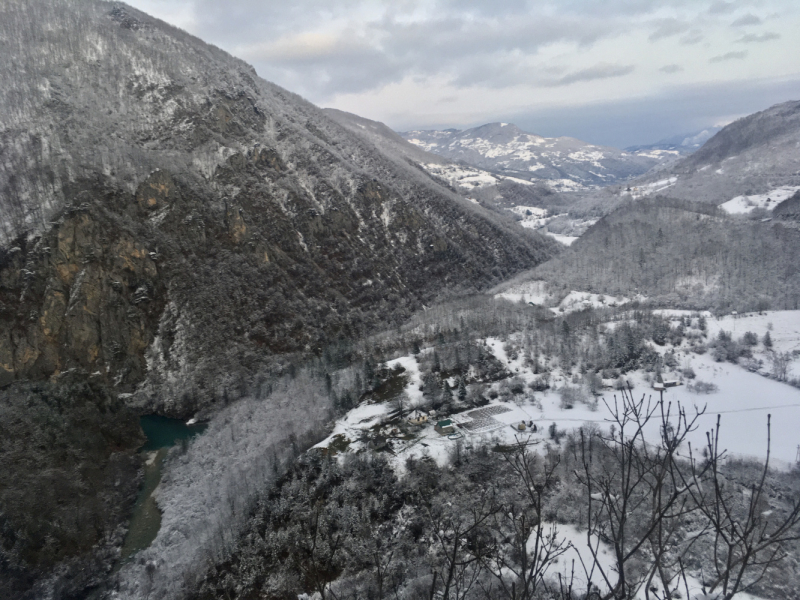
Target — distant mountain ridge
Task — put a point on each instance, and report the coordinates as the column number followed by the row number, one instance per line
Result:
column 491, row 188
column 683, row 144
column 504, row 148
column 753, row 155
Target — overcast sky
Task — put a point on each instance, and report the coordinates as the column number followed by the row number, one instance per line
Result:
column 616, row 72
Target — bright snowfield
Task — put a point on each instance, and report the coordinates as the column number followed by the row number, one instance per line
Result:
column 742, row 205
column 472, row 178
column 659, row 154
column 532, row 217
column 575, row 301
column 535, row 292
column 466, row 178
column 563, row 239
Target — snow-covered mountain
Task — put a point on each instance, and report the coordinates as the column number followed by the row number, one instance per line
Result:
column 504, row 148
column 756, row 155
column 494, row 189
column 682, row 144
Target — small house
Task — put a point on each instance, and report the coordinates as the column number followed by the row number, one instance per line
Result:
column 662, row 384
column 445, row 427
column 377, row 443
column 417, row 417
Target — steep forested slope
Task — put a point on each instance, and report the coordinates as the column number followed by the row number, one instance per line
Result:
column 789, row 209
column 171, row 228
column 684, row 254
column 164, row 190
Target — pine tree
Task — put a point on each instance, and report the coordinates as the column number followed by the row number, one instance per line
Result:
column 767, row 341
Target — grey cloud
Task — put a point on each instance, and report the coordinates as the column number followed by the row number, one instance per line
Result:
column 748, row 19
column 463, row 42
column 692, row 37
column 758, row 37
column 667, row 28
column 654, row 117
column 601, row 71
column 728, row 56
column 671, row 69
column 722, row 8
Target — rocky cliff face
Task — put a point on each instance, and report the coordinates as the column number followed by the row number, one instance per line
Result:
column 85, row 295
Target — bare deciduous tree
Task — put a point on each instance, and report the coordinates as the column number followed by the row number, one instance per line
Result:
column 749, row 538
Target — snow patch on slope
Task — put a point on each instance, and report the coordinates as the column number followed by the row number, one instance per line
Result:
column 741, row 205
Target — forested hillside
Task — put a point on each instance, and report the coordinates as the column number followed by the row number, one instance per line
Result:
column 201, row 208
column 684, row 255
column 178, row 231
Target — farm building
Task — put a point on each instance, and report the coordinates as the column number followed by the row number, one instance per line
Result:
column 445, row 427
column 417, row 417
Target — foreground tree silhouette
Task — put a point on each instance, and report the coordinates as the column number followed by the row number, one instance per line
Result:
column 749, row 538
column 640, row 494
column 635, row 495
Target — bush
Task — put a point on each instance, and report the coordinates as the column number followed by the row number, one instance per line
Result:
column 539, row 385
column 749, row 339
column 570, row 396
column 702, row 387
column 517, row 386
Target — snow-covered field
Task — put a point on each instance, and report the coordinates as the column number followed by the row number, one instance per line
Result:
column 743, row 400
column 744, row 204
column 580, row 300
column 530, row 214
column 466, row 178
column 536, row 292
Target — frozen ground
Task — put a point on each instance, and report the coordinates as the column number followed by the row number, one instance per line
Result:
column 466, row 178
column 745, row 204
column 783, row 325
column 580, row 300
column 536, row 292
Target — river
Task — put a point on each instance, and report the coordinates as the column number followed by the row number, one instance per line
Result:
column 162, row 434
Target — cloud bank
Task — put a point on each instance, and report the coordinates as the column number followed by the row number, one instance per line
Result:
column 416, row 63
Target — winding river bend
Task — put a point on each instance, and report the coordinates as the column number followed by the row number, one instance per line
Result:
column 162, row 434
